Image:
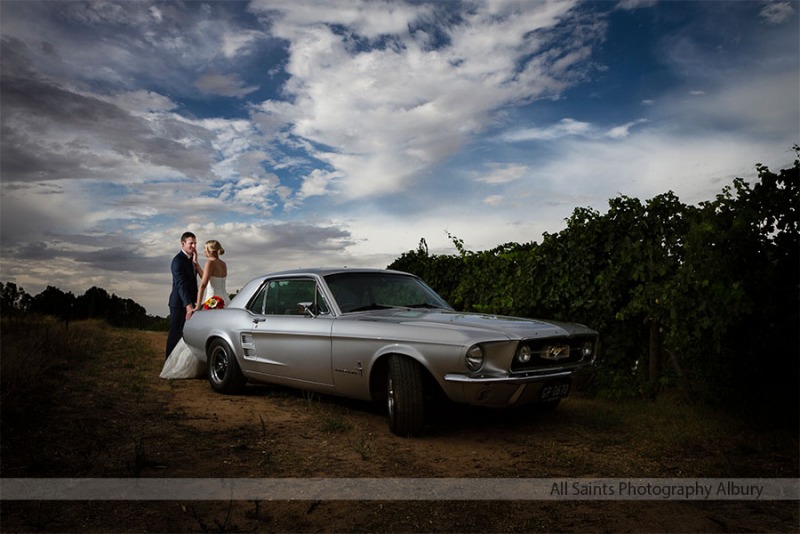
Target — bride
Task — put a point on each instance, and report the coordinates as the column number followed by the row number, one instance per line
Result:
column 181, row 362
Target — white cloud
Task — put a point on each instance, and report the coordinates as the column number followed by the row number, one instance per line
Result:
column 31, row 210
column 635, row 4
column 381, row 114
column 504, row 173
column 570, row 128
column 653, row 162
column 223, row 84
column 624, row 130
column 316, row 184
column 156, row 13
column 238, row 41
column 775, row 13
column 368, row 18
column 493, row 200
column 251, row 192
column 763, row 105
column 564, row 128
column 142, row 101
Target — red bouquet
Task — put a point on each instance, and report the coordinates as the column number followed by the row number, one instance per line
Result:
column 214, row 303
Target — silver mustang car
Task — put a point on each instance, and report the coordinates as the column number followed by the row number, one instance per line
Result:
column 386, row 336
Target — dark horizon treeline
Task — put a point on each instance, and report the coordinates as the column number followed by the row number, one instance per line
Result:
column 96, row 303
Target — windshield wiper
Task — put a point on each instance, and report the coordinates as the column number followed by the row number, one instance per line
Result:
column 424, row 305
column 372, row 306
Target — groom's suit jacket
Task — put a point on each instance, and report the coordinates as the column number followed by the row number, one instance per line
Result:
column 184, row 282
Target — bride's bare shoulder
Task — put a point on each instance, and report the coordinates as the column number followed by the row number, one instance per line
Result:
column 218, row 267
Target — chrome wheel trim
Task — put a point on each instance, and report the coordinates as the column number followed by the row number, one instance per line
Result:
column 390, row 400
column 219, row 364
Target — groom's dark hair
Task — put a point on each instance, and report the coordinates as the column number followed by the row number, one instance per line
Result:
column 187, row 235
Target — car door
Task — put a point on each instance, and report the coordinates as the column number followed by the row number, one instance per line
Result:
column 286, row 344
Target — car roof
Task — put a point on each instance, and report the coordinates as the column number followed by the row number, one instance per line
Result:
column 325, row 271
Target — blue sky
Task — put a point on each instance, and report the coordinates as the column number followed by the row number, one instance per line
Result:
column 323, row 133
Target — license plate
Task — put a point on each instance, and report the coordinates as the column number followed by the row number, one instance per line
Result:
column 557, row 390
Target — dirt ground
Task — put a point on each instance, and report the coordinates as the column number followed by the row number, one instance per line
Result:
column 121, row 420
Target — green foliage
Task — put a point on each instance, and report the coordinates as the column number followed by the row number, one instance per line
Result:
column 734, row 301
column 443, row 273
column 702, row 296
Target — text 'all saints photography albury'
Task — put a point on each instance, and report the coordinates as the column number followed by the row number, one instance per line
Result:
column 678, row 489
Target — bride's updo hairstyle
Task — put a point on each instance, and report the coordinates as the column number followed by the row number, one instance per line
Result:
column 214, row 248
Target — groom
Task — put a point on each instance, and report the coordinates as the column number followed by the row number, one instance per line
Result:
column 184, row 289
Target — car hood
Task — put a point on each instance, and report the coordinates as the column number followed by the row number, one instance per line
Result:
column 510, row 327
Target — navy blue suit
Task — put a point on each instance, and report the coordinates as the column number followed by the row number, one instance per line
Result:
column 184, row 293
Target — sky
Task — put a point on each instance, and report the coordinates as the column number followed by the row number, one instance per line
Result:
column 307, row 133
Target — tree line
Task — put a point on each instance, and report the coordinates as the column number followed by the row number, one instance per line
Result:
column 96, row 303
column 701, row 298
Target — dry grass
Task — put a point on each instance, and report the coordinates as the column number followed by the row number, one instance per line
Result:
column 35, row 352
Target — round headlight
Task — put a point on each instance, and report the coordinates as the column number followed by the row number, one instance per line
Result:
column 588, row 349
column 524, row 354
column 474, row 358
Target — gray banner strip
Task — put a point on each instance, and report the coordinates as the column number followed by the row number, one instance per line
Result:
column 398, row 489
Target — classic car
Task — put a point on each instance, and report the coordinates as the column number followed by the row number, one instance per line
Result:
column 385, row 336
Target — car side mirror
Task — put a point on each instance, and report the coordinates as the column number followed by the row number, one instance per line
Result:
column 308, row 308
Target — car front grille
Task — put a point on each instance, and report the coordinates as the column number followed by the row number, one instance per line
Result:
column 554, row 352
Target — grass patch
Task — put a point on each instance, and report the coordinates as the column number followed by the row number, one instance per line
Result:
column 332, row 422
column 35, row 355
column 362, row 443
column 330, row 419
column 669, row 437
column 85, row 380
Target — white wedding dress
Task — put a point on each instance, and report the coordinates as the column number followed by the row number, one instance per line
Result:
column 182, row 363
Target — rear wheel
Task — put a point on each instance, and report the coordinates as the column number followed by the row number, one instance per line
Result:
column 405, row 397
column 224, row 373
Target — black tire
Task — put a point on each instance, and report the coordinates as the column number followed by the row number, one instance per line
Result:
column 405, row 397
column 224, row 373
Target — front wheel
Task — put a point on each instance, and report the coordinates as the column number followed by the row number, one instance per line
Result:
column 405, row 396
column 224, row 373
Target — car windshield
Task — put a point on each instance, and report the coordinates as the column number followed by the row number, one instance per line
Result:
column 369, row 291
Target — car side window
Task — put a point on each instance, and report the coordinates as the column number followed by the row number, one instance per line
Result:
column 283, row 297
column 257, row 304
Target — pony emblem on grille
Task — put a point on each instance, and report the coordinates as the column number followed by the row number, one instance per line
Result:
column 556, row 352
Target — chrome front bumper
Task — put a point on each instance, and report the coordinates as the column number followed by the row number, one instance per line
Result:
column 514, row 389
column 520, row 379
